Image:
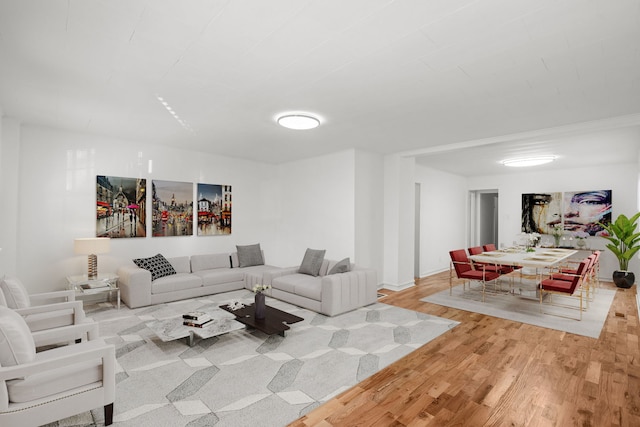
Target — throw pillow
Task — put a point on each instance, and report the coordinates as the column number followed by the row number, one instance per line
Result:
column 157, row 265
column 16, row 342
column 312, row 262
column 341, row 266
column 15, row 293
column 249, row 255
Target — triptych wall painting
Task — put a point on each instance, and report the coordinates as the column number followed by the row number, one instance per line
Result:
column 121, row 208
column 575, row 211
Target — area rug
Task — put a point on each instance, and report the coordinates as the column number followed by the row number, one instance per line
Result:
column 526, row 309
column 247, row 378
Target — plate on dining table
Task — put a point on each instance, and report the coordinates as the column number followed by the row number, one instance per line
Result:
column 540, row 258
column 492, row 254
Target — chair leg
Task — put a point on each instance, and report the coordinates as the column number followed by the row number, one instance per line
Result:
column 108, row 414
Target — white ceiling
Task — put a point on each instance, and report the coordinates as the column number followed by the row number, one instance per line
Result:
column 386, row 76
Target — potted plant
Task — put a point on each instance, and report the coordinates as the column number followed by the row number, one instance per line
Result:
column 625, row 243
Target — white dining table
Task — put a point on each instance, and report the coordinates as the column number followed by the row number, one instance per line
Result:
column 541, row 258
column 534, row 264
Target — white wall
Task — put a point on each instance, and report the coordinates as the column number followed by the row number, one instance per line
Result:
column 443, row 223
column 9, row 158
column 56, row 201
column 317, row 207
column 369, row 213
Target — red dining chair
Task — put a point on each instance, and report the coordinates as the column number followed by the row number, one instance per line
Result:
column 464, row 270
column 570, row 288
column 489, row 247
column 567, row 274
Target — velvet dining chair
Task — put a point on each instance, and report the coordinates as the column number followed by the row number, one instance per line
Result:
column 464, row 269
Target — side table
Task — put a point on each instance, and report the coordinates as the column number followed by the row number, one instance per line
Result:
column 103, row 284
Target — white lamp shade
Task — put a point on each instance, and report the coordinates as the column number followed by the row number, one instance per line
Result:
column 92, row 245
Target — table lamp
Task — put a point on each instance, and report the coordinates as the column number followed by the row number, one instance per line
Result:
column 92, row 246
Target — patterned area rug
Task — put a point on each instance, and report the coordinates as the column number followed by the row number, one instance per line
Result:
column 525, row 308
column 247, row 378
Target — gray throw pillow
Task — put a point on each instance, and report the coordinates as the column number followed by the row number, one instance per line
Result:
column 312, row 262
column 157, row 265
column 249, row 255
column 341, row 266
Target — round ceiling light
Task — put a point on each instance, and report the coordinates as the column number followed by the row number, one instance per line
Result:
column 528, row 161
column 298, row 121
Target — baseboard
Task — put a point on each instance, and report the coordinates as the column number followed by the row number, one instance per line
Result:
column 398, row 287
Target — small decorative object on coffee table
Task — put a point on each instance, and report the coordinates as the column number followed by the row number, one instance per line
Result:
column 260, row 305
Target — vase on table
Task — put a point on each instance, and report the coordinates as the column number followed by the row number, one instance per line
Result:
column 556, row 241
column 260, row 306
column 581, row 243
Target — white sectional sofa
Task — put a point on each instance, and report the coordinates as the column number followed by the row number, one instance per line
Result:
column 209, row 274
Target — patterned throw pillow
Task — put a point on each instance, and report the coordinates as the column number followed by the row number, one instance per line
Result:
column 157, row 265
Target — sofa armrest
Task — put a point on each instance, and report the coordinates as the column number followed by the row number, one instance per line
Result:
column 75, row 306
column 46, row 297
column 344, row 292
column 89, row 330
column 268, row 276
column 135, row 286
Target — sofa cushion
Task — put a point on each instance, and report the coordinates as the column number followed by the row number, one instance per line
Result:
column 300, row 284
column 180, row 264
column 249, row 255
column 16, row 342
column 157, row 265
column 51, row 382
column 341, row 266
column 15, row 293
column 219, row 276
column 176, row 282
column 3, row 301
column 312, row 262
column 209, row 262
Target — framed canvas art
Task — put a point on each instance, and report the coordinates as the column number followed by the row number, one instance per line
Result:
column 121, row 209
column 214, row 209
column 172, row 212
column 584, row 209
column 541, row 212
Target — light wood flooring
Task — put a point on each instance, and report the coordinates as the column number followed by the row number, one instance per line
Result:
column 493, row 372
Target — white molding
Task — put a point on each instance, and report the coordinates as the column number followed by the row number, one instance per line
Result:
column 576, row 128
column 397, row 287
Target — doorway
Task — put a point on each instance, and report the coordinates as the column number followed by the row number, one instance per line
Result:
column 483, row 227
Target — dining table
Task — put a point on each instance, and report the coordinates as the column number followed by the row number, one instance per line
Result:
column 530, row 263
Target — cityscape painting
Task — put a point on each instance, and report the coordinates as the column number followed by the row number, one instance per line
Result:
column 172, row 213
column 120, row 207
column 214, row 209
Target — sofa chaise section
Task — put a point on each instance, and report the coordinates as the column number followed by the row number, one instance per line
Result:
column 329, row 294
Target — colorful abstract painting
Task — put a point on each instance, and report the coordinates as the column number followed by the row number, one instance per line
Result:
column 541, row 212
column 582, row 210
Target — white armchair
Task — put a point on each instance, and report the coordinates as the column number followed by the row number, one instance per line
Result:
column 41, row 311
column 39, row 388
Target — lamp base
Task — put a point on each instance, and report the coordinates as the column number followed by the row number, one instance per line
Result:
column 92, row 267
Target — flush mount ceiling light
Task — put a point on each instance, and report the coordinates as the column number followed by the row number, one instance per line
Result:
column 528, row 161
column 298, row 121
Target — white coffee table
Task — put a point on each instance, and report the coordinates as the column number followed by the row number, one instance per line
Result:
column 172, row 329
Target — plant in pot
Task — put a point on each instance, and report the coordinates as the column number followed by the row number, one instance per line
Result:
column 625, row 243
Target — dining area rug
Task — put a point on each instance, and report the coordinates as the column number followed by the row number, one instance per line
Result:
column 525, row 308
